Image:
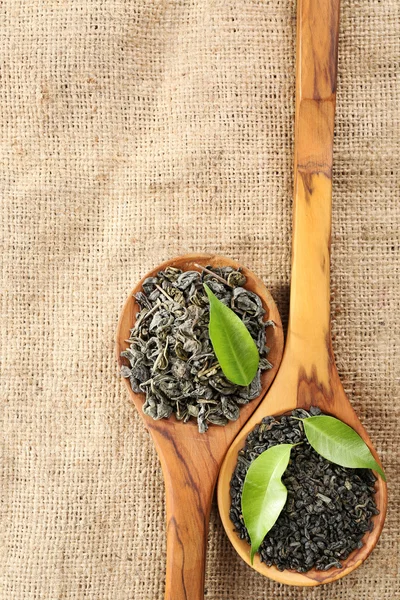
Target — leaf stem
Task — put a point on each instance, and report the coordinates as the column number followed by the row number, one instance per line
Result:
column 165, row 294
column 208, row 370
column 144, row 316
column 221, row 279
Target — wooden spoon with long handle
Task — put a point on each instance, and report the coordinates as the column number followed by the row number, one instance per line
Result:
column 308, row 374
column 191, row 460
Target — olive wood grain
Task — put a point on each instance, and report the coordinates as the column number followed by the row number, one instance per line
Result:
column 191, row 460
column 308, row 374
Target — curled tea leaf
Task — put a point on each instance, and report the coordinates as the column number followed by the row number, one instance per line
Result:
column 264, row 495
column 339, row 443
column 233, row 345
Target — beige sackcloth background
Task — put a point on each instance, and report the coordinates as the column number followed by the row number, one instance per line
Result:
column 131, row 132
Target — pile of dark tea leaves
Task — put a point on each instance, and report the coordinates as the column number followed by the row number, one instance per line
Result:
column 171, row 356
column 328, row 508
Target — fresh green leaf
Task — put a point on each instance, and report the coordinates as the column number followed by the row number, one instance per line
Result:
column 233, row 345
column 339, row 443
column 264, row 495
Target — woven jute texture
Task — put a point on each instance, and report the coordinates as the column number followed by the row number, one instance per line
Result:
column 132, row 132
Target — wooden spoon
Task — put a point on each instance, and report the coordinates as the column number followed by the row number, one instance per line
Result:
column 191, row 460
column 308, row 374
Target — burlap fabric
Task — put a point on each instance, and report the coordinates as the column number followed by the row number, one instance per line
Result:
column 132, row 132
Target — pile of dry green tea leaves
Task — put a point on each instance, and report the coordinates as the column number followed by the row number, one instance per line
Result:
column 170, row 354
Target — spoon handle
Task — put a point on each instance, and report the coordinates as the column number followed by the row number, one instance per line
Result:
column 316, row 72
column 190, row 478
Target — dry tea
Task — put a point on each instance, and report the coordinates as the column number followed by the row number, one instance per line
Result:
column 171, row 356
column 328, row 509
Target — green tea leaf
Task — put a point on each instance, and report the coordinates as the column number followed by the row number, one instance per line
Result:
column 339, row 443
column 264, row 495
column 233, row 345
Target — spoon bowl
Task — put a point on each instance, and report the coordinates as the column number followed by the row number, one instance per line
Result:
column 191, row 460
column 273, row 405
column 308, row 375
